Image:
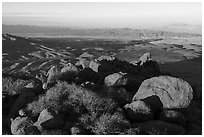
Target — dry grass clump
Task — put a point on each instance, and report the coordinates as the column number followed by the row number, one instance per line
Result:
column 13, row 86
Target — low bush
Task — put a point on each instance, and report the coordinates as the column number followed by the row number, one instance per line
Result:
column 81, row 104
column 12, row 86
column 109, row 124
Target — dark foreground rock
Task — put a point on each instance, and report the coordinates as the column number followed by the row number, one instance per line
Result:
column 69, row 72
column 49, row 119
column 173, row 92
column 138, row 111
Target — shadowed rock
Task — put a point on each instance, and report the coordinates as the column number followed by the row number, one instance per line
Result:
column 116, row 79
column 48, row 119
column 69, row 72
column 138, row 111
column 155, row 103
column 88, row 74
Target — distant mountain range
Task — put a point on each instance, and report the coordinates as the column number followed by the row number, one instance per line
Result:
column 121, row 33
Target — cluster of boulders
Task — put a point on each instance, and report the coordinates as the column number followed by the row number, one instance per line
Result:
column 159, row 102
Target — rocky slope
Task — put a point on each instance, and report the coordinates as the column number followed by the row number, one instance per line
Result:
column 102, row 96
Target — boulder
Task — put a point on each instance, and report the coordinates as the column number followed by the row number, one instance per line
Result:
column 144, row 58
column 115, row 80
column 19, row 125
column 94, row 65
column 138, row 111
column 69, row 72
column 49, row 119
column 25, row 97
column 173, row 92
column 53, row 74
column 172, row 116
column 156, row 127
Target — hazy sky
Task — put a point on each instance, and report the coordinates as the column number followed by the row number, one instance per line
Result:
column 101, row 14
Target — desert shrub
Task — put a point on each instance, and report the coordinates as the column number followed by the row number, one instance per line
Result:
column 64, row 96
column 13, row 86
column 111, row 124
column 74, row 101
column 37, row 106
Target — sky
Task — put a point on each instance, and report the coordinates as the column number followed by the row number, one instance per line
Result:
column 97, row 15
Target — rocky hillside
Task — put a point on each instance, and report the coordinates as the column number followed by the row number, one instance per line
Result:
column 100, row 96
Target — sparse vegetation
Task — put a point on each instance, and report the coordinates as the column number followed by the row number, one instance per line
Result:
column 86, row 104
column 12, row 86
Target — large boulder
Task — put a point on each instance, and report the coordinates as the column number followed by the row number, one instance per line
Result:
column 25, row 97
column 53, row 74
column 69, row 72
column 116, row 79
column 19, row 125
column 173, row 92
column 156, row 127
column 172, row 116
column 49, row 119
column 138, row 111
